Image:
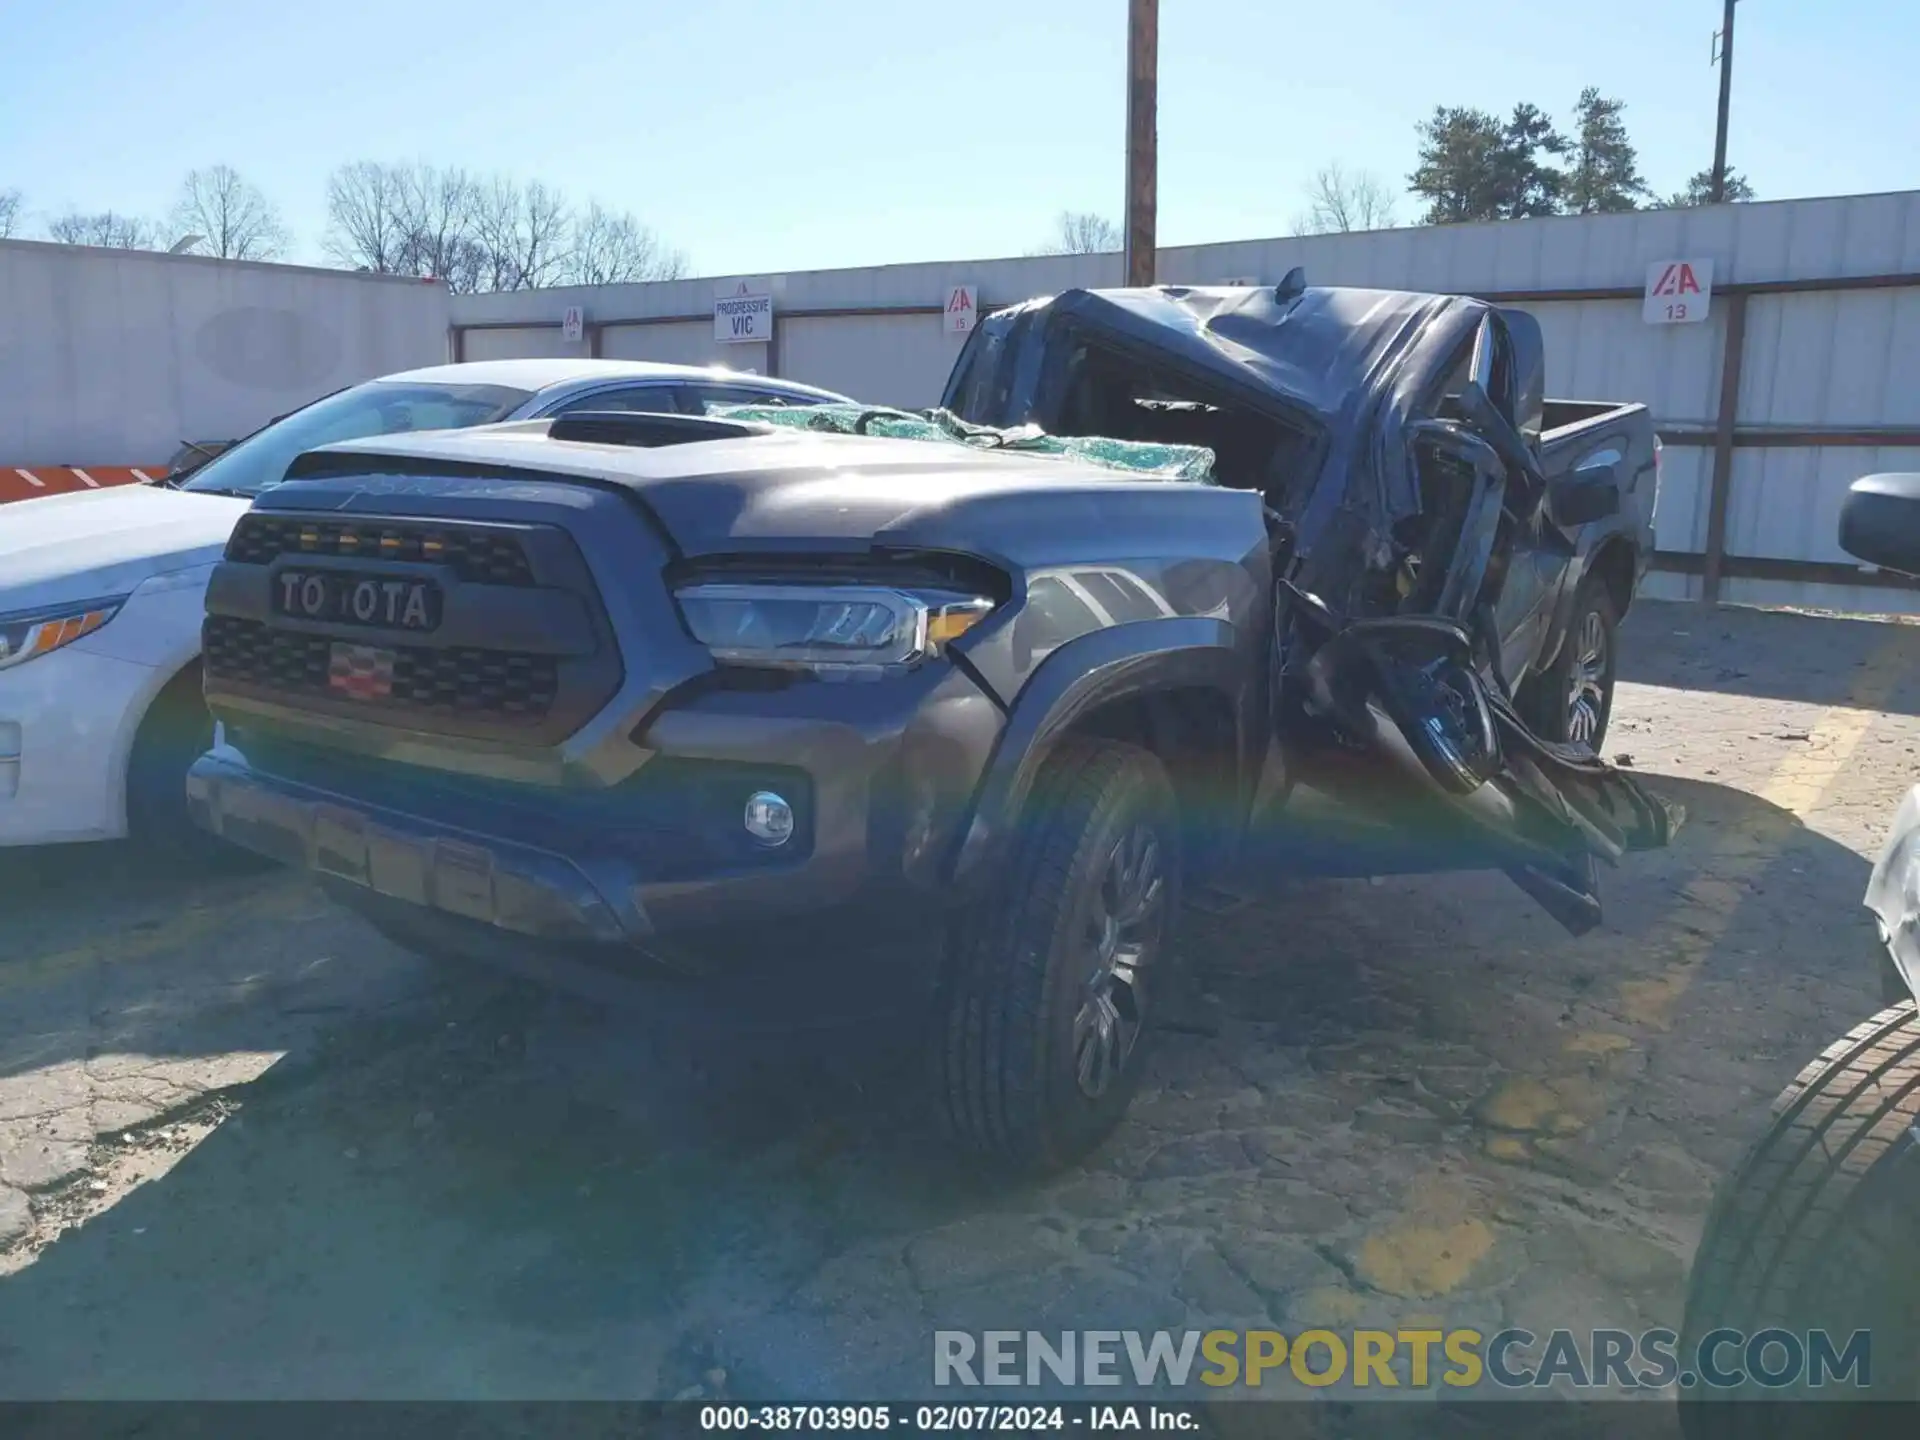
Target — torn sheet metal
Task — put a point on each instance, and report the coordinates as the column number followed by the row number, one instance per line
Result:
column 1438, row 735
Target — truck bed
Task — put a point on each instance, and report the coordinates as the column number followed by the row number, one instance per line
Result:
column 1562, row 418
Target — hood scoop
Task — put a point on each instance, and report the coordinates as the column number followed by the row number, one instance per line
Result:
column 646, row 429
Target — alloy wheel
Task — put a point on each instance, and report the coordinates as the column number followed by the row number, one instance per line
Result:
column 1587, row 694
column 1123, row 932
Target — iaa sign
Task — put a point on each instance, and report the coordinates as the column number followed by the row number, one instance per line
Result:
column 1677, row 292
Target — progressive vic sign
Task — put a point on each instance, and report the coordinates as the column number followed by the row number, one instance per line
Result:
column 742, row 315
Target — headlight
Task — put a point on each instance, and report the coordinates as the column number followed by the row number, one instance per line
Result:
column 828, row 628
column 27, row 633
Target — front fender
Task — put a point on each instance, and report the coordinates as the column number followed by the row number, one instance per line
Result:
column 159, row 628
column 1174, row 653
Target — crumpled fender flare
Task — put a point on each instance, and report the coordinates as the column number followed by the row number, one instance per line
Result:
column 1121, row 662
column 1583, row 565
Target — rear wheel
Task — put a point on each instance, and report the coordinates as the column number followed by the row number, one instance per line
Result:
column 1571, row 701
column 1817, row 1230
column 1044, row 1029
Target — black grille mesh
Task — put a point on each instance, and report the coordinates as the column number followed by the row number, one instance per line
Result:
column 486, row 557
column 496, row 683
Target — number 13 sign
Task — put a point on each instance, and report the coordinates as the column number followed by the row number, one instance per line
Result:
column 1678, row 292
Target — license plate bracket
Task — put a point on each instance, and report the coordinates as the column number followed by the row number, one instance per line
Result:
column 360, row 672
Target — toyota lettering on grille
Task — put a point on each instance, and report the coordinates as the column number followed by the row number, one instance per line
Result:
column 377, row 602
column 362, row 672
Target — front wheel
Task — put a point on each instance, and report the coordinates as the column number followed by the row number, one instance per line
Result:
column 1815, row 1238
column 1044, row 1029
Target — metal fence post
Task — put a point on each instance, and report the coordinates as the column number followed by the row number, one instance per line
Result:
column 1730, row 358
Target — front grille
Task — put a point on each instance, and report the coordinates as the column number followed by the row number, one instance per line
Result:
column 462, row 680
column 485, row 557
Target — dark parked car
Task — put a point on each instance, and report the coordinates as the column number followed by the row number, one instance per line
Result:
column 619, row 693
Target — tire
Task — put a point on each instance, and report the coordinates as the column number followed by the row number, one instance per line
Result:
column 1571, row 701
column 176, row 731
column 1041, row 1038
column 1818, row 1228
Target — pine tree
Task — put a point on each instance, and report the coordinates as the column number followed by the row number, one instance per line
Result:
column 1604, row 176
column 1473, row 166
column 1699, row 191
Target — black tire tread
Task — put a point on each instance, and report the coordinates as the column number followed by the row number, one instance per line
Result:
column 1803, row 1194
column 990, row 1076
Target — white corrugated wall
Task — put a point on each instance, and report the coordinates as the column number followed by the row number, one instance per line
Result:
column 114, row 357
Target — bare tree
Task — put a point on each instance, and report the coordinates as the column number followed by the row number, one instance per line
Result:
column 234, row 220
column 107, row 228
column 483, row 232
column 1341, row 201
column 365, row 226
column 522, row 231
column 407, row 219
column 10, row 202
column 436, row 210
column 612, row 248
column 1081, row 232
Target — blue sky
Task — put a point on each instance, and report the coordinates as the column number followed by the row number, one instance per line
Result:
column 759, row 136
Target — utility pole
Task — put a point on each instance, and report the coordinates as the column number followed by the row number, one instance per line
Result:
column 1143, row 141
column 1719, row 191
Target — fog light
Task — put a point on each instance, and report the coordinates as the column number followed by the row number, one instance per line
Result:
column 769, row 819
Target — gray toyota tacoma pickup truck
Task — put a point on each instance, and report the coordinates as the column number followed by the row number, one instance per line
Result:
column 746, row 710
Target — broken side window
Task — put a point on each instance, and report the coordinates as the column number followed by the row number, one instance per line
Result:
column 1107, row 393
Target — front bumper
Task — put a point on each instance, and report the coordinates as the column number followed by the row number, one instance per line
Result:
column 879, row 801
column 498, row 881
column 67, row 721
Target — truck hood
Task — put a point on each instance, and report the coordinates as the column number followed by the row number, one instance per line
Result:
column 794, row 491
column 106, row 542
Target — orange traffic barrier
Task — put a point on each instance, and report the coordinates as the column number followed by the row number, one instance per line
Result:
column 26, row 482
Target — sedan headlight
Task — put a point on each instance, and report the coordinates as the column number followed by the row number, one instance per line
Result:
column 826, row 628
column 25, row 634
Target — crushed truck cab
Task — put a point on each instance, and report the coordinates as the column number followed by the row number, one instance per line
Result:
column 619, row 696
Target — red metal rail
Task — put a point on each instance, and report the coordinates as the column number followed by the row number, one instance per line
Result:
column 28, row 482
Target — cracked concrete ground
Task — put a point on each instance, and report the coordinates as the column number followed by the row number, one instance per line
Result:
column 248, row 1149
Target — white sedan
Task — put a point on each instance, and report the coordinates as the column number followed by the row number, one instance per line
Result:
column 101, row 591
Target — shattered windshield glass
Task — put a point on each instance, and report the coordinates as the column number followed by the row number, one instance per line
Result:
column 1148, row 460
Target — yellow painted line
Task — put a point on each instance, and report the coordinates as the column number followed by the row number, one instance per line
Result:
column 1797, row 786
column 1417, row 1253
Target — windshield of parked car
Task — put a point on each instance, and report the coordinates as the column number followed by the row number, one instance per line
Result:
column 380, row 407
